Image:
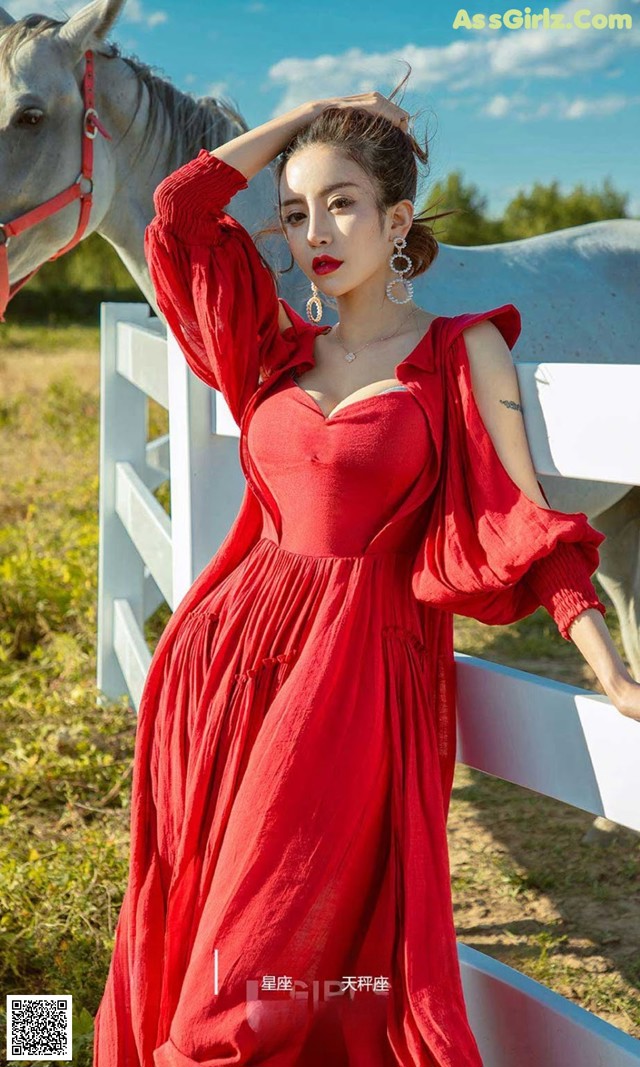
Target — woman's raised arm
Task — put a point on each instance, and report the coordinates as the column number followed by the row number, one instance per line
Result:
column 252, row 151
column 255, row 149
column 212, row 286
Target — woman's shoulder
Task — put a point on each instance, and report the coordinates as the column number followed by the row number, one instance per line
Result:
column 505, row 317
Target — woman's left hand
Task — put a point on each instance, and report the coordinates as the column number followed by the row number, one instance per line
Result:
column 627, row 700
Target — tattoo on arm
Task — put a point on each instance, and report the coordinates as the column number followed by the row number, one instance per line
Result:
column 511, row 404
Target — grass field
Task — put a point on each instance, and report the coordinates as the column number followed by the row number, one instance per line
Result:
column 527, row 889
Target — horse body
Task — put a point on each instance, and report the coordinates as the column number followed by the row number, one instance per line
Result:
column 155, row 128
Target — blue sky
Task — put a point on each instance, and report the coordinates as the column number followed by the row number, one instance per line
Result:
column 507, row 107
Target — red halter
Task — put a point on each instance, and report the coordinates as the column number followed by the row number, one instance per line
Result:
column 82, row 188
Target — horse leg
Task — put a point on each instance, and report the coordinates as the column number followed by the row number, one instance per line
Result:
column 619, row 574
column 619, row 570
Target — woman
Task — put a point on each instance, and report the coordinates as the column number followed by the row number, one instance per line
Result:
column 289, row 894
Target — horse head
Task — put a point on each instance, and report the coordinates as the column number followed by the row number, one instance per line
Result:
column 46, row 94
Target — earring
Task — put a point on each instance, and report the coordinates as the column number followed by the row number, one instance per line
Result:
column 315, row 300
column 400, row 243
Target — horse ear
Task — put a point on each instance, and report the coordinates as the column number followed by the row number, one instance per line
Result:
column 5, row 19
column 90, row 25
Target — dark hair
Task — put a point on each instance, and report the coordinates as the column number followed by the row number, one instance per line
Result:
column 387, row 155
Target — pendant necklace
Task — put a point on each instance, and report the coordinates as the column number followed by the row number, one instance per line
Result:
column 351, row 355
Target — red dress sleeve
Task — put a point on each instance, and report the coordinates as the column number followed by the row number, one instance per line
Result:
column 562, row 583
column 217, row 295
column 489, row 551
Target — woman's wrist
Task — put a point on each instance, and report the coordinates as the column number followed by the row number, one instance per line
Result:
column 250, row 152
column 622, row 690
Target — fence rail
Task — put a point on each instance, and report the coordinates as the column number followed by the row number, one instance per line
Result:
column 561, row 741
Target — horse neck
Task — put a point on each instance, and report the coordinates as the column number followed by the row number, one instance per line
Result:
column 141, row 159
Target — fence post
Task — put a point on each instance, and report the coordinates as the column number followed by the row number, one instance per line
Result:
column 121, row 572
column 206, row 476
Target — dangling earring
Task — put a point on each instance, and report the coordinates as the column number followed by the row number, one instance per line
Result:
column 314, row 299
column 400, row 243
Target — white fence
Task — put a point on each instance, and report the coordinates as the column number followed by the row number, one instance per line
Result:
column 559, row 740
column 145, row 557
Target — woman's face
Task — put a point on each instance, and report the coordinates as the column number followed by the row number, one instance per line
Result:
column 328, row 208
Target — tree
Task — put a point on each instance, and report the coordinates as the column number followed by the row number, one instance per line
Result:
column 470, row 226
column 92, row 264
column 545, row 209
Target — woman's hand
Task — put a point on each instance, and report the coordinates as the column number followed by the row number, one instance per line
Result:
column 627, row 700
column 373, row 101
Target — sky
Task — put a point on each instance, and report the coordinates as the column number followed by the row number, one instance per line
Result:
column 505, row 106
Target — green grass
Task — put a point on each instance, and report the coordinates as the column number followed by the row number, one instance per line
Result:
column 16, row 337
column 65, row 760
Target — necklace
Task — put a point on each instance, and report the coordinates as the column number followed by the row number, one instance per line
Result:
column 351, row 355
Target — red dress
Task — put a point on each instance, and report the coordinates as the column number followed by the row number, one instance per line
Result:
column 296, row 736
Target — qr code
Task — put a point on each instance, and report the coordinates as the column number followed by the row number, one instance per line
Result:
column 38, row 1027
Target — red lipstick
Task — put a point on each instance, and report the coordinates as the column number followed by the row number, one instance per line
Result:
column 325, row 264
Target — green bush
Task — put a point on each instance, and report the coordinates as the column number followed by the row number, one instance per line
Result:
column 63, row 306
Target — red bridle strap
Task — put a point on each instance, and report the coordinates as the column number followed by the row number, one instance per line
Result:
column 81, row 189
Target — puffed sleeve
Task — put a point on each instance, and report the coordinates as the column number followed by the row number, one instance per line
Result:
column 217, row 295
column 561, row 581
column 489, row 551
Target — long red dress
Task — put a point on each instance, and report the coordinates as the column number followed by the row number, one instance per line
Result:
column 296, row 735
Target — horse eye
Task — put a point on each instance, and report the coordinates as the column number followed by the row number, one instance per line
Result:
column 31, row 117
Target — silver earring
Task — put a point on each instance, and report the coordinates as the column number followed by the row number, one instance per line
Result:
column 315, row 301
column 400, row 243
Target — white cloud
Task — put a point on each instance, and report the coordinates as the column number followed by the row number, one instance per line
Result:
column 133, row 11
column 501, row 105
column 216, row 89
column 525, row 109
column 473, row 60
column 581, row 108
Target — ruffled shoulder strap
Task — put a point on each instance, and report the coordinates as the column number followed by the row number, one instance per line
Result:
column 297, row 341
column 506, row 317
column 429, row 355
column 294, row 317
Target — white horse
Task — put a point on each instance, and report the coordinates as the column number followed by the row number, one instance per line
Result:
column 553, row 279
